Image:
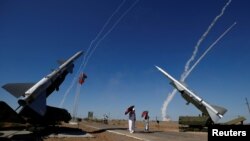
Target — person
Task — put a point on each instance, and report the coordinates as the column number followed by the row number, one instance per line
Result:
column 146, row 123
column 131, row 121
column 105, row 119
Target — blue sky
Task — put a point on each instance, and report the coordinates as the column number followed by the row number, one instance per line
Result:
column 121, row 72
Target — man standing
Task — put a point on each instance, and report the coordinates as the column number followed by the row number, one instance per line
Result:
column 131, row 121
column 146, row 120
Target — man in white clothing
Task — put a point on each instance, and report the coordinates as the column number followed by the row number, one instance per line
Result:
column 131, row 121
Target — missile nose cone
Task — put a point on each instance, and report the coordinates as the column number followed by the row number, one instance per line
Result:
column 158, row 68
column 80, row 52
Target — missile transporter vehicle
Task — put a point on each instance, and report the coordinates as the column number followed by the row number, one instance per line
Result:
column 194, row 123
column 201, row 123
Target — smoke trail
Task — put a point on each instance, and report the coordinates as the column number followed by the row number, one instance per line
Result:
column 106, row 34
column 184, row 74
column 165, row 105
column 78, row 90
column 171, row 95
column 85, row 61
column 87, row 52
column 196, row 48
column 67, row 92
column 91, row 48
column 208, row 49
column 101, row 31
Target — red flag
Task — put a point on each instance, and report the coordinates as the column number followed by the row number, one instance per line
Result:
column 82, row 78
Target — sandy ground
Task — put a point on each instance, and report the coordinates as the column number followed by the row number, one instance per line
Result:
column 116, row 130
column 98, row 134
column 101, row 132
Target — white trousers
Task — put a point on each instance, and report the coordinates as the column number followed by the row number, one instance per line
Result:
column 131, row 125
column 146, row 125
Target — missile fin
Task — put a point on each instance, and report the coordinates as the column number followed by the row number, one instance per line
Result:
column 17, row 89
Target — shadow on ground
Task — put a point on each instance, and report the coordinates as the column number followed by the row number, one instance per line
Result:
column 105, row 129
column 110, row 129
column 42, row 134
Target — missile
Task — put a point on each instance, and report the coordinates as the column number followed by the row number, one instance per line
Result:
column 215, row 112
column 34, row 95
column 47, row 81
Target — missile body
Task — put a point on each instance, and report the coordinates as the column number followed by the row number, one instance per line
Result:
column 215, row 112
column 49, row 79
column 35, row 96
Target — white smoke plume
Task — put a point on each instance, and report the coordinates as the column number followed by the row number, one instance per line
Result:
column 208, row 49
column 196, row 48
column 187, row 66
column 107, row 33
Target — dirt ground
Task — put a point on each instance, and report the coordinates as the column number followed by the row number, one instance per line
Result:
column 99, row 134
column 103, row 135
column 115, row 130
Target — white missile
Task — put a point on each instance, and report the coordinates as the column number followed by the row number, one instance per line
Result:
column 34, row 94
column 47, row 81
column 215, row 112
